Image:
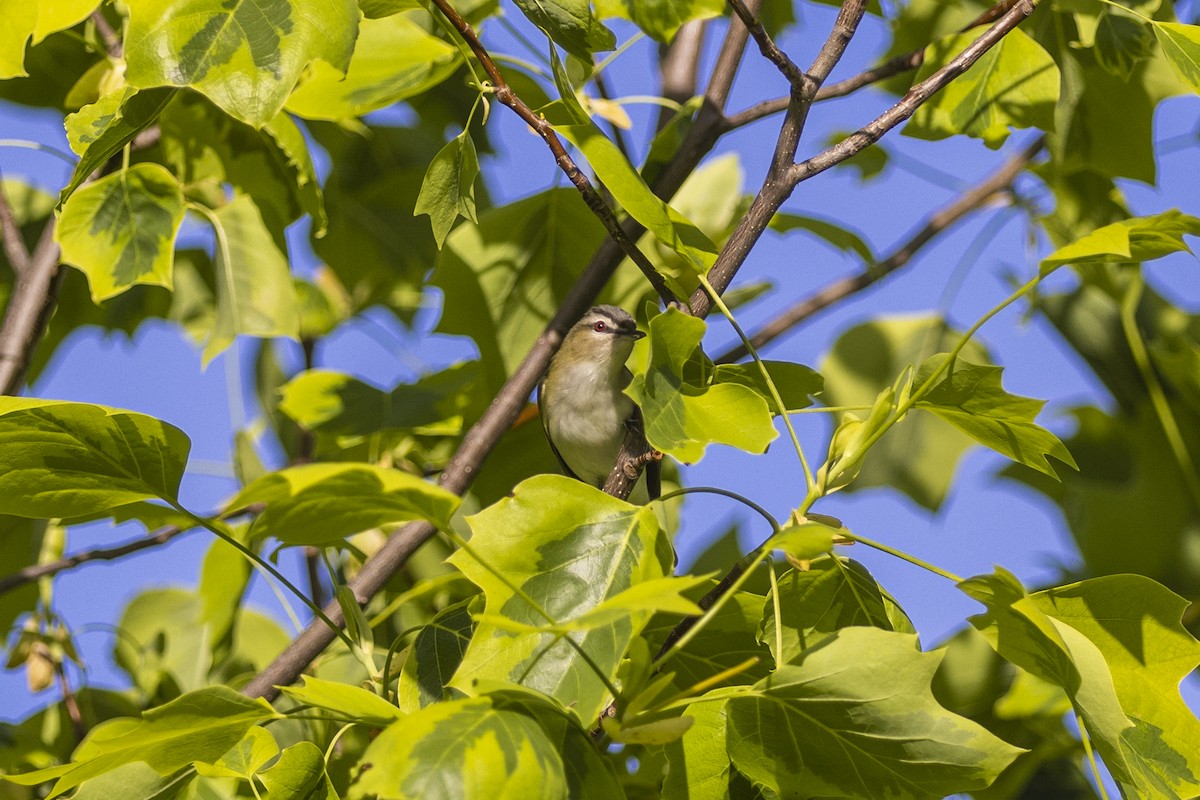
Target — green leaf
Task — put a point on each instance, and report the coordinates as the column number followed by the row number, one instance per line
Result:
column 299, row 774
column 817, row 603
column 571, row 24
column 503, row 278
column 254, row 283
column 918, row 456
column 699, row 766
column 272, row 165
column 1122, row 43
column 1014, row 84
column 135, row 781
column 803, row 542
column 448, row 191
column 855, row 717
column 33, row 22
column 1116, row 646
column 794, row 382
column 98, row 131
column 60, row 459
column 322, row 504
column 970, row 397
column 616, row 173
column 683, row 409
column 21, row 543
column 245, row 758
column 244, row 56
column 394, row 58
column 567, row 547
column 224, row 575
column 120, row 230
column 660, row 19
column 478, row 747
column 1181, row 44
column 197, row 727
column 1134, row 239
column 333, row 403
column 435, row 655
column 832, row 233
column 345, row 700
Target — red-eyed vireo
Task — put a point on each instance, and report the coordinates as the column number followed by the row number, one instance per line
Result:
column 583, row 409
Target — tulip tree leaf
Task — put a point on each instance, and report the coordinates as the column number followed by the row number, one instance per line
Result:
column 98, row 131
column 1181, row 44
column 394, row 58
column 795, row 383
column 1117, row 647
column 448, row 191
column 660, row 19
column 17, row 25
column 322, row 504
column 198, row 727
column 836, row 235
column 568, row 548
column 255, row 296
column 505, row 745
column 571, row 24
column 919, row 455
column 684, row 410
column 60, row 459
column 299, row 774
column 244, row 55
column 344, row 699
column 435, row 655
column 120, row 230
column 1014, row 84
column 670, row 227
column 503, row 278
column 1134, row 239
column 855, row 717
column 970, row 397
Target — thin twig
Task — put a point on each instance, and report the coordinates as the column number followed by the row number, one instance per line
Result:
column 511, row 399
column 996, row 184
column 34, row 293
column 112, row 42
column 545, row 130
column 770, row 51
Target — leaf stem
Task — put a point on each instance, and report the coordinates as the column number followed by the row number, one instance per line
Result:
column 781, row 409
column 900, row 554
column 1091, row 755
column 724, row 493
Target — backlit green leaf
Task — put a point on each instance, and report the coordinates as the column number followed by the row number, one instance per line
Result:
column 448, row 191
column 795, row 383
column 244, row 55
column 120, row 230
column 1014, row 84
column 1134, row 239
column 321, row 504
column 255, row 296
column 571, row 24
column 98, row 131
column 344, row 700
column 299, row 774
column 197, row 727
column 855, row 717
column 245, row 758
column 33, row 22
column 1181, row 44
column 394, row 58
column 660, row 19
column 435, row 655
column 60, row 459
column 842, row 238
column 477, row 747
column 567, row 547
column 970, row 397
column 683, row 408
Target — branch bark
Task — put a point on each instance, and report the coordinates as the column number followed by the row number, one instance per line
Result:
column 511, row 400
column 34, row 292
column 995, row 184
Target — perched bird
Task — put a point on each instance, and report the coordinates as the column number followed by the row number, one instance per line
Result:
column 583, row 410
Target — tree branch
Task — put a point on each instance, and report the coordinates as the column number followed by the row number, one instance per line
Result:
column 996, row 184
column 510, row 401
column 33, row 295
column 678, row 65
column 794, row 75
column 14, row 246
column 545, row 130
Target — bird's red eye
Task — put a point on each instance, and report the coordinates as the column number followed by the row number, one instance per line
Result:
column 599, row 327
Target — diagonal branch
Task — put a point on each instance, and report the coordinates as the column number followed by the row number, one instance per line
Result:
column 511, row 399
column 998, row 184
column 33, row 296
column 770, row 51
column 545, row 130
column 14, row 246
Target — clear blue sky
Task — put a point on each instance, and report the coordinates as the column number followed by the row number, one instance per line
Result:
column 985, row 521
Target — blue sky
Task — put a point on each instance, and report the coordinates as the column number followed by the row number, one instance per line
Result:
column 985, row 521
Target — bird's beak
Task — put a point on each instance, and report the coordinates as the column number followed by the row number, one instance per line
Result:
column 636, row 334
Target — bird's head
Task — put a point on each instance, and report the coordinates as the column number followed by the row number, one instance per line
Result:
column 604, row 335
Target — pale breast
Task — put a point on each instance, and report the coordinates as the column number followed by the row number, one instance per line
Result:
column 587, row 427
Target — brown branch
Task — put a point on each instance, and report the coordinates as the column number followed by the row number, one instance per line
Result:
column 14, row 246
column 770, row 51
column 997, row 184
column 503, row 410
column 678, row 65
column 34, row 293
column 905, row 62
column 37, row 571
column 112, row 42
column 545, row 130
